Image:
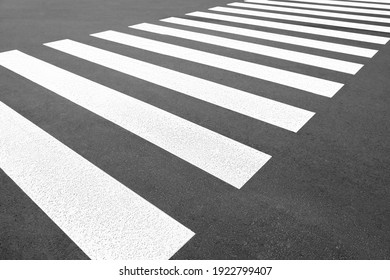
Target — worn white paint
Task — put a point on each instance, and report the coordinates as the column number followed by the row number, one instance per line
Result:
column 328, row 22
column 348, row 3
column 220, row 156
column 309, row 12
column 299, row 41
column 102, row 216
column 287, row 78
column 294, row 56
column 295, row 28
column 325, row 7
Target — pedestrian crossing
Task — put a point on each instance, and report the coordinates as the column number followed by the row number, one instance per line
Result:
column 376, row 1
column 104, row 217
column 222, row 157
column 299, row 81
column 259, row 5
column 289, row 27
column 324, row 7
column 347, row 3
column 276, row 113
column 293, row 40
column 326, row 22
column 298, row 57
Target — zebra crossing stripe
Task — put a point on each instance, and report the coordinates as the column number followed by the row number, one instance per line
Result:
column 375, row 1
column 283, row 77
column 336, row 23
column 322, row 45
column 103, row 217
column 295, row 28
column 324, row 7
column 347, row 3
column 309, row 12
column 298, row 57
column 218, row 155
column 257, row 107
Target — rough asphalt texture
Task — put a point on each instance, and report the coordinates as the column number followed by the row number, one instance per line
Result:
column 324, row 194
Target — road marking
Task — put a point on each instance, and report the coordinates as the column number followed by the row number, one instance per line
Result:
column 298, row 57
column 374, row 1
column 336, row 23
column 218, row 155
column 257, row 107
column 322, row 45
column 103, row 217
column 346, row 3
column 283, row 77
column 324, row 7
column 296, row 28
column 309, row 12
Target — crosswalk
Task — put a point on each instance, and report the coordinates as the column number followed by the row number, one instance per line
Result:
column 293, row 40
column 347, row 3
column 85, row 202
column 318, row 5
column 260, row 6
column 104, row 217
column 286, row 26
column 298, row 57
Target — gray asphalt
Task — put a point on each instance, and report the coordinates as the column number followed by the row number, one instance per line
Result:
column 324, row 194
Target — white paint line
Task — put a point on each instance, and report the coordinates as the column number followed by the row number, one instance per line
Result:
column 374, row 1
column 218, row 155
column 295, row 28
column 309, row 12
column 283, row 77
column 317, row 44
column 324, row 7
column 103, row 217
column 257, row 107
column 335, row 23
column 298, row 57
column 347, row 3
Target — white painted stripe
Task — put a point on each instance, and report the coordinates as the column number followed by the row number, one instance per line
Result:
column 324, row 7
column 346, row 3
column 103, row 217
column 220, row 156
column 257, row 107
column 373, row 1
column 303, row 58
column 309, row 12
column 336, row 23
column 295, row 28
column 317, row 44
column 283, row 77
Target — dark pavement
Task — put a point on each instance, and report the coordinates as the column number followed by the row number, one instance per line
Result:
column 325, row 194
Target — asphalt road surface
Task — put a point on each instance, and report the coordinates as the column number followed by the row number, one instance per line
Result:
column 194, row 129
